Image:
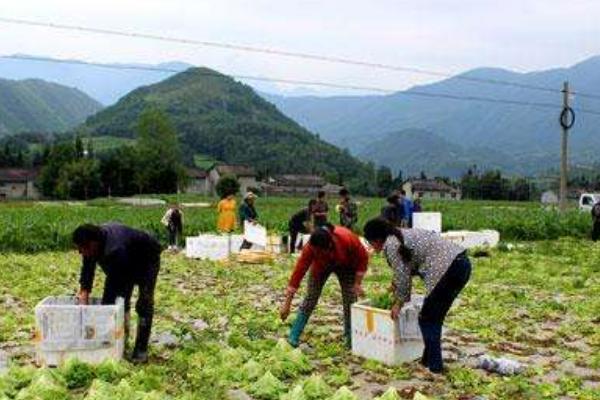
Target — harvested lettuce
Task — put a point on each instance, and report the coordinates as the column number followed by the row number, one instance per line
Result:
column 287, row 362
column 267, row 388
column 420, row 396
column 77, row 374
column 251, row 371
column 19, row 377
column 101, row 390
column 111, row 371
column 315, row 388
column 297, row 393
column 390, row 394
column 44, row 386
column 383, row 300
column 344, row 393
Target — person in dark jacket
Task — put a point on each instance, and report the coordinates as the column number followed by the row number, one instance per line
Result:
column 320, row 211
column 392, row 212
column 129, row 258
column 596, row 221
column 173, row 221
column 300, row 224
column 348, row 210
column 248, row 213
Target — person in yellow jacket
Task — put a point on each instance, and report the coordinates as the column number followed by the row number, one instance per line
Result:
column 227, row 219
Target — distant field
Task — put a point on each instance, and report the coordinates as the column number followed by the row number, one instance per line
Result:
column 31, row 227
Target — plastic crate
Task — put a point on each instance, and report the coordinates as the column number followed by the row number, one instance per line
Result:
column 92, row 333
column 376, row 336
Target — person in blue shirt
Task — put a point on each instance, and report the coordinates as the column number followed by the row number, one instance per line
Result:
column 407, row 207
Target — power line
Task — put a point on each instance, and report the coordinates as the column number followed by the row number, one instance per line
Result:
column 284, row 53
column 411, row 92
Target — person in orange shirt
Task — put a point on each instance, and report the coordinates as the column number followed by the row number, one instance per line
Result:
column 331, row 250
column 226, row 208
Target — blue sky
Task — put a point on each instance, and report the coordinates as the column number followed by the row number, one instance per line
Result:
column 440, row 35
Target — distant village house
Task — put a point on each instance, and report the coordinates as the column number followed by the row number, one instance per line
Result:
column 431, row 189
column 197, row 182
column 245, row 175
column 298, row 185
column 16, row 183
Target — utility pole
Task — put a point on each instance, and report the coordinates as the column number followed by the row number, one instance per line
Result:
column 567, row 119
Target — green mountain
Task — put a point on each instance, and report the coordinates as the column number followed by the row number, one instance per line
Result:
column 219, row 117
column 414, row 151
column 37, row 106
column 529, row 134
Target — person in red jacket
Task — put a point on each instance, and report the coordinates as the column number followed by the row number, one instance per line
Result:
column 331, row 250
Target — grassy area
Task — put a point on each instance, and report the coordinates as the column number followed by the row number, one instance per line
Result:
column 33, row 226
column 538, row 303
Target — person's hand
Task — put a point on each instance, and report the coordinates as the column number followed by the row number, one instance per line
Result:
column 284, row 311
column 83, row 297
column 358, row 290
column 396, row 308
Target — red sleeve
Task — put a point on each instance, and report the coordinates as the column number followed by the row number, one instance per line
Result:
column 302, row 265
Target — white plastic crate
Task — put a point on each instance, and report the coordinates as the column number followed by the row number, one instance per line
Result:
column 90, row 333
column 429, row 221
column 212, row 247
column 470, row 239
column 376, row 336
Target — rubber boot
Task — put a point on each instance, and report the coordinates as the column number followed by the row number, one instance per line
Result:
column 348, row 335
column 429, row 358
column 140, row 351
column 297, row 329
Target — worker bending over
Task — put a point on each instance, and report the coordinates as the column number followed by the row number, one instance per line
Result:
column 128, row 257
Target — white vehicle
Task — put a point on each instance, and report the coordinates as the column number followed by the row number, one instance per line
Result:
column 587, row 201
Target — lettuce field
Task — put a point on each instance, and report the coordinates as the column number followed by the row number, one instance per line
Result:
column 535, row 299
column 46, row 226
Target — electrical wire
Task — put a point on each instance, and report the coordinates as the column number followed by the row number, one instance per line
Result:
column 409, row 92
column 284, row 53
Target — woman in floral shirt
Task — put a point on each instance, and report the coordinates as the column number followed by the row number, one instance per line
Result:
column 442, row 265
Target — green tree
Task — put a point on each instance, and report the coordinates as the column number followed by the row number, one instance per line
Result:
column 228, row 184
column 60, row 155
column 159, row 168
column 385, row 181
column 79, row 179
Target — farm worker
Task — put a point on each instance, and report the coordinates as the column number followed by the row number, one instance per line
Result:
column 226, row 222
column 407, row 208
column 248, row 213
column 442, row 265
column 392, row 212
column 300, row 224
column 128, row 257
column 320, row 210
column 173, row 220
column 596, row 219
column 348, row 210
column 331, row 250
column 417, row 207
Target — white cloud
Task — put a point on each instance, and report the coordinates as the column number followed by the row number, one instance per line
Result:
column 451, row 35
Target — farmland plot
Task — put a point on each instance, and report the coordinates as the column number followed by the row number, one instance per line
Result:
column 218, row 329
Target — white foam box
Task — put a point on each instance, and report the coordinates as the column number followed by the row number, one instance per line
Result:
column 429, row 221
column 377, row 337
column 212, row 247
column 92, row 333
column 470, row 239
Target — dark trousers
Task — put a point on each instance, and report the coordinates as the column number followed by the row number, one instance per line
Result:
column 435, row 308
column 596, row 230
column 294, row 233
column 117, row 286
column 345, row 277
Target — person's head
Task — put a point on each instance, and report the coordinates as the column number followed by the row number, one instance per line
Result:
column 250, row 198
column 321, row 195
column 377, row 231
column 229, row 196
column 392, row 199
column 344, row 193
column 311, row 204
column 88, row 238
column 322, row 238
